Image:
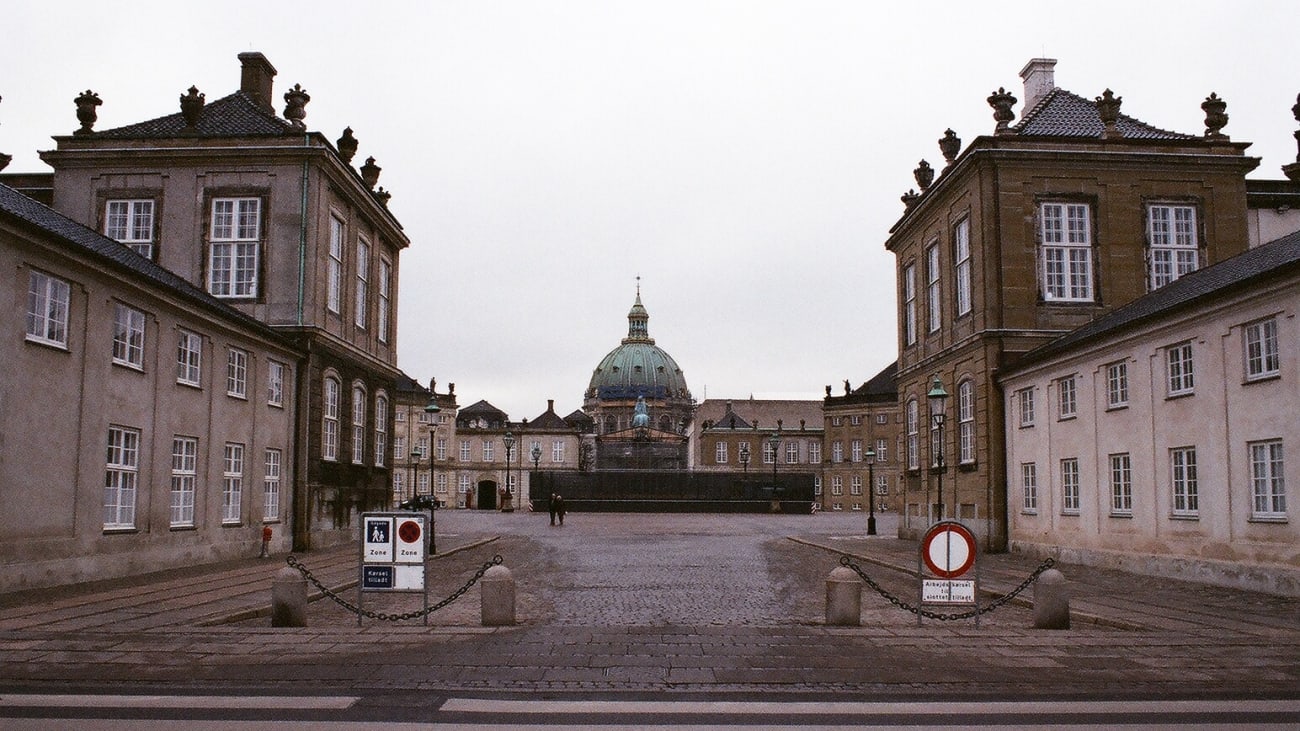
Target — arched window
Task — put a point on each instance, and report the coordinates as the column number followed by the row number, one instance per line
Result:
column 966, row 422
column 358, row 423
column 329, row 441
column 381, row 429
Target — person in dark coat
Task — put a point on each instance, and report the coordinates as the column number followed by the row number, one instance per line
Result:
column 551, row 502
column 558, row 506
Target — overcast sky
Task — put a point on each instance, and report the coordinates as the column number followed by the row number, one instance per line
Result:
column 745, row 159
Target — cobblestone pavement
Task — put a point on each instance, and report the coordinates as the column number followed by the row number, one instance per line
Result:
column 673, row 606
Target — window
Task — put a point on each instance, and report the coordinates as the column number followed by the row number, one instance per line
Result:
column 1171, row 234
column 855, row 485
column 185, row 452
column 1067, row 398
column 399, row 416
column 882, row 484
column 837, row 452
column 909, row 304
column 882, row 418
column 1025, row 399
column 488, row 451
column 399, row 485
column 814, row 452
column 837, row 421
column 462, row 484
column 189, row 354
column 720, row 453
column 966, row 422
column 1182, row 466
column 1178, row 361
column 236, row 228
column 232, row 483
column 882, row 450
column 855, row 420
column 1029, row 487
column 381, row 429
column 961, row 255
column 440, row 483
column 131, row 222
column 399, row 447
column 855, row 450
column 423, row 417
column 440, row 448
column 358, row 424
column 334, row 268
column 422, row 444
column 913, row 455
column 1267, row 488
column 1070, row 486
column 1121, row 485
column 363, row 281
column 464, row 450
column 271, row 486
column 769, row 453
column 557, row 451
column 837, row 485
column 330, row 429
column 817, row 485
column 274, row 383
column 1117, row 385
column 792, row 452
column 47, row 309
column 1066, row 236
column 385, row 293
column 236, row 373
column 121, row 474
column 422, row 483
column 1262, row 359
column 932, row 299
column 128, row 336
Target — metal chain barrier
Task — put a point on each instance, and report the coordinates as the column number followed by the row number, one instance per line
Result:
column 306, row 573
column 978, row 610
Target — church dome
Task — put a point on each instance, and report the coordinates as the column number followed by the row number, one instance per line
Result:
column 638, row 367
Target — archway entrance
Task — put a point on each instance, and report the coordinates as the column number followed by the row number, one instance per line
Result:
column 487, row 495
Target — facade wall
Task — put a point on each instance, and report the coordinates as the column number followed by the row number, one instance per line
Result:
column 53, row 526
column 845, row 480
column 1222, row 538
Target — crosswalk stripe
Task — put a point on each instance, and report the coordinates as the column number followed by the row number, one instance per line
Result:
column 941, row 708
column 15, row 700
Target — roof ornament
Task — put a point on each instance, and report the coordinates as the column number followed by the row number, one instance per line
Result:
column 5, row 159
column 1002, row 101
column 1108, row 109
column 382, row 196
column 1216, row 117
column 370, row 173
column 910, row 198
column 192, row 107
column 950, row 145
column 347, row 145
column 924, row 175
column 86, row 113
column 295, row 106
column 1292, row 171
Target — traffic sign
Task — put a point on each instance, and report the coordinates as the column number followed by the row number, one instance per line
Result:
column 948, row 549
column 410, row 540
column 378, row 541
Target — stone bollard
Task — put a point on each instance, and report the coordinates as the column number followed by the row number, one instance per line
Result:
column 289, row 598
column 843, row 598
column 498, row 594
column 1051, row 601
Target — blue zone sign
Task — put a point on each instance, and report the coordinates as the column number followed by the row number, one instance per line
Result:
column 631, row 392
column 377, row 577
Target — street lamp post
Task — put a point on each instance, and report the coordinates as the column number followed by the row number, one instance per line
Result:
column 744, row 456
column 537, row 457
column 938, row 399
column 774, row 442
column 509, row 440
column 417, row 454
column 432, row 408
column 871, row 491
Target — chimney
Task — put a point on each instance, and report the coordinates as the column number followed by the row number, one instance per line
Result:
column 550, row 404
column 1039, row 80
column 256, row 78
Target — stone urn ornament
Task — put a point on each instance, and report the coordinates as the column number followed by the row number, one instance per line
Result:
column 950, row 145
column 924, row 174
column 1108, row 110
column 192, row 106
column 370, row 173
column 1216, row 117
column 347, row 145
column 295, row 106
column 1002, row 101
column 86, row 113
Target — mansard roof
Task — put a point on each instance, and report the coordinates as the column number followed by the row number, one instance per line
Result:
column 236, row 115
column 1062, row 113
column 549, row 420
column 1278, row 258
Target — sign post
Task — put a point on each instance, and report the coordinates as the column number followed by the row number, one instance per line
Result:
column 947, row 555
column 392, row 555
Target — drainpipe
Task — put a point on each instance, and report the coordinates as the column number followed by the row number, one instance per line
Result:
column 302, row 244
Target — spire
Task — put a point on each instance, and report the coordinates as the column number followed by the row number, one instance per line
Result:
column 638, row 320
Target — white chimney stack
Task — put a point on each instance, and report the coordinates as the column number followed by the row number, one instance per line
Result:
column 1039, row 81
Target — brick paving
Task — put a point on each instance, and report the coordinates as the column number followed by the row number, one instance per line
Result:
column 674, row 606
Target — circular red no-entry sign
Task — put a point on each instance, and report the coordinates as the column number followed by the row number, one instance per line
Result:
column 409, row 531
column 948, row 549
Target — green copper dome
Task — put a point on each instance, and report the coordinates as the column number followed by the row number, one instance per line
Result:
column 638, row 367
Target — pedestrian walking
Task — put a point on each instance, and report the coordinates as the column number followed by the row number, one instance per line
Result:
column 551, row 503
column 558, row 504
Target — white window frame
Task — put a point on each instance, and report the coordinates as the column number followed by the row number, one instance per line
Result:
column 791, row 451
column 962, row 269
column 440, row 448
column 966, row 422
column 440, row 483
column 422, row 483
column 381, row 429
column 275, row 383
column 235, row 247
column 1117, row 385
column 358, row 416
column 122, row 475
column 909, row 305
column 462, row 484
column 1268, row 488
column 185, row 452
column 189, row 358
column 1179, row 370
column 334, row 268
column 769, row 454
column 130, row 221
column 1184, row 488
column 720, row 453
column 465, row 451
column 913, row 435
column 237, row 373
column 1029, row 487
column 362, row 283
column 855, row 484
column 1121, row 484
column 128, row 336
column 837, row 452
column 814, row 451
column 933, row 293
column 48, row 304
column 1070, row 498
column 837, row 485
column 274, row 462
column 1025, row 406
column 1172, row 240
column 329, row 449
column 399, row 447
column 855, row 450
column 232, row 483
column 1263, row 359
column 385, row 293
column 1067, row 398
column 1065, row 235
column 882, row 450
column 489, row 450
